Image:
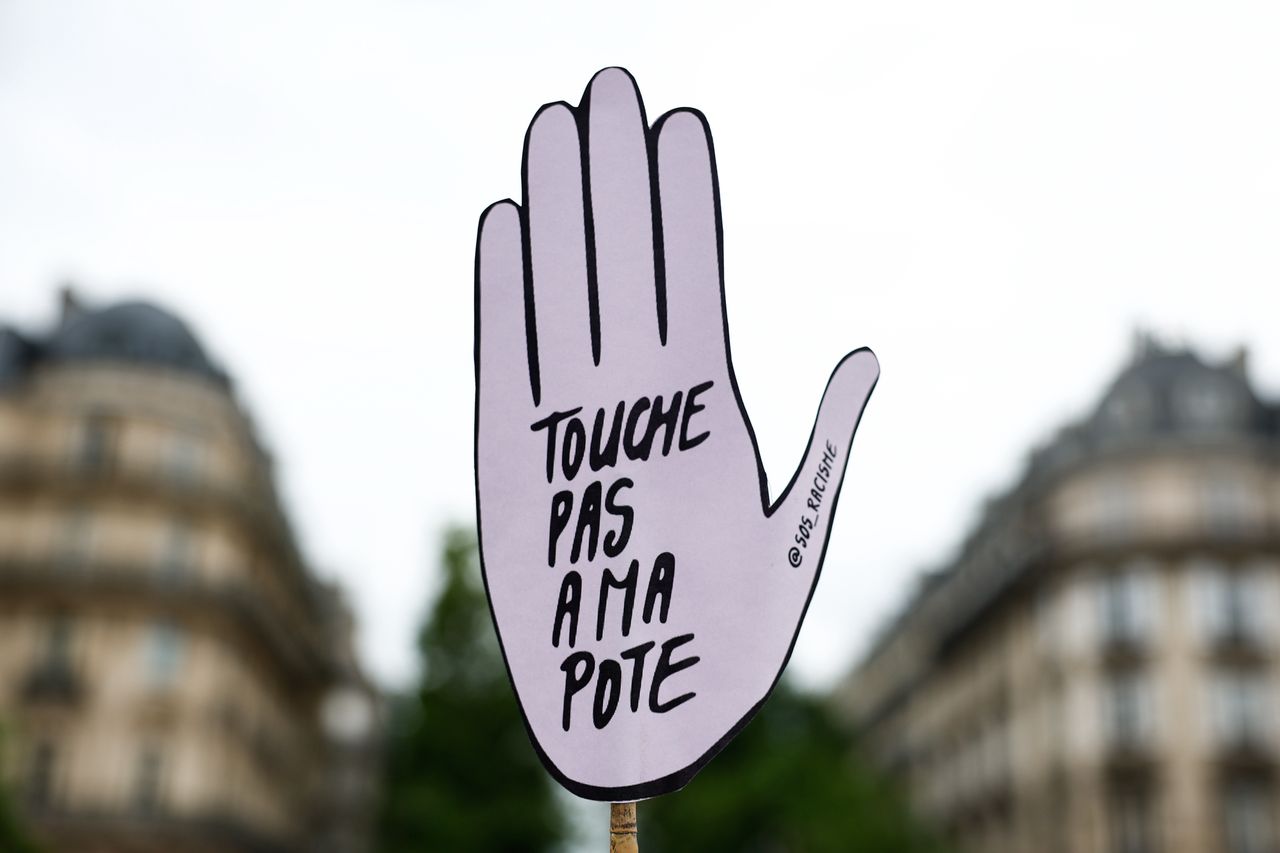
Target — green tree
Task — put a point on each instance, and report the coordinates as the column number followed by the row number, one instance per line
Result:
column 13, row 838
column 461, row 774
column 788, row 782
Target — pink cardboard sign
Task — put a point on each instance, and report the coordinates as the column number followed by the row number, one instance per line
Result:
column 646, row 591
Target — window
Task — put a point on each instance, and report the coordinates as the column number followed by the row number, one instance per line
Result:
column 57, row 643
column 1248, row 824
column 186, row 457
column 1207, row 405
column 52, row 676
column 1127, row 605
column 1239, row 618
column 97, row 443
column 75, row 542
column 1128, row 710
column 147, row 780
column 1053, row 722
column 994, row 753
column 177, row 549
column 1235, row 607
column 1239, row 709
column 1224, row 502
column 1130, row 410
column 1046, row 618
column 163, row 655
column 1228, row 603
column 1132, row 827
column 1115, row 507
column 39, row 784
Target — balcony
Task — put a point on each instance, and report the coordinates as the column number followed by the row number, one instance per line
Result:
column 1239, row 642
column 292, row 641
column 52, row 683
column 1130, row 758
column 1124, row 649
column 80, row 828
column 1246, row 751
column 146, row 480
column 1163, row 538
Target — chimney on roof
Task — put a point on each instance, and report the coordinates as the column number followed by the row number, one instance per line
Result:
column 1144, row 344
column 69, row 303
column 1148, row 345
column 1239, row 363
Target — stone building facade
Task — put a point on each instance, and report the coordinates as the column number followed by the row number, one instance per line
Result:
column 1098, row 669
column 172, row 677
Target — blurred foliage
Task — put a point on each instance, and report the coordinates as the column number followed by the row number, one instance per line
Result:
column 461, row 774
column 13, row 838
column 786, row 784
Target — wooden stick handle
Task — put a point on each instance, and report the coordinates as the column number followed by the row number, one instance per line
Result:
column 622, row 828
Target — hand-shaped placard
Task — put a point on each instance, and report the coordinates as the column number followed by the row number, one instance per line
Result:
column 646, row 591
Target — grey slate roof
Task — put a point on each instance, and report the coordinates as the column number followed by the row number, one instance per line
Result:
column 16, row 353
column 135, row 331
column 1167, row 394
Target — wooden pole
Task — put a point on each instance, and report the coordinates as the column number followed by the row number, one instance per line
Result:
column 622, row 828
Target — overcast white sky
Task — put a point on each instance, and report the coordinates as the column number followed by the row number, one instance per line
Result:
column 990, row 195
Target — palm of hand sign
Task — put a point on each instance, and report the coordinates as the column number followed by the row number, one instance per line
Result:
column 646, row 591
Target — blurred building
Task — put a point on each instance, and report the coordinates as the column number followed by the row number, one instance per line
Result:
column 1097, row 670
column 172, row 678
